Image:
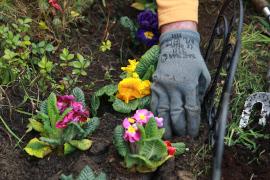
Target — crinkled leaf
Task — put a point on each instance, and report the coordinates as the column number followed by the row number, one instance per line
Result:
column 37, row 148
column 148, row 59
column 68, row 149
column 86, row 174
column 95, row 103
column 144, row 102
column 153, row 150
column 43, row 107
column 90, row 126
column 180, row 148
column 118, row 141
column 151, row 129
column 147, row 165
column 79, row 95
column 53, row 111
column 108, row 90
column 101, row 176
column 83, row 144
column 122, row 107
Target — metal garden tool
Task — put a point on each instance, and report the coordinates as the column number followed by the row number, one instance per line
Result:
column 259, row 97
column 262, row 6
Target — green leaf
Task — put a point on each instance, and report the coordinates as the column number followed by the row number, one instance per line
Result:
column 149, row 73
column 79, row 95
column 49, row 47
column 101, row 176
column 153, row 150
column 64, row 177
column 53, row 111
column 68, row 149
column 36, row 125
column 52, row 142
column 180, row 148
column 90, row 126
column 37, row 148
column 120, row 145
column 86, row 174
column 41, row 44
column 95, row 103
column 76, row 64
column 144, row 102
column 108, row 90
column 122, row 107
column 126, row 22
column 146, row 165
column 148, row 59
column 83, row 144
column 80, row 57
column 151, row 129
column 70, row 132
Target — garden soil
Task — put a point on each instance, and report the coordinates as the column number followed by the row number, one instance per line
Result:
column 15, row 164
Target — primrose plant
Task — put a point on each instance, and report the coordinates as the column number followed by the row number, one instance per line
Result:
column 63, row 123
column 139, row 141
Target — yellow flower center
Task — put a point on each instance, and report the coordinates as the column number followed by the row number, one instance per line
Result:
column 142, row 117
column 131, row 129
column 131, row 120
column 149, row 34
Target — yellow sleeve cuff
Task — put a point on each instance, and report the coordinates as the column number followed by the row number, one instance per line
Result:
column 177, row 10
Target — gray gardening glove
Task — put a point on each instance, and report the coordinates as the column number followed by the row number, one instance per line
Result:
column 179, row 83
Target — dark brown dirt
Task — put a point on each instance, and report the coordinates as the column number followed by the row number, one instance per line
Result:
column 16, row 164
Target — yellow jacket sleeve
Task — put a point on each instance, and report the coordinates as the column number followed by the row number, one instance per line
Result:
column 177, row 10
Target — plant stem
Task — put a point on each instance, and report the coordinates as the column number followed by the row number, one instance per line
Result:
column 9, row 130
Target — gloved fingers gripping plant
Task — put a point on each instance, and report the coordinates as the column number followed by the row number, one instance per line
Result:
column 139, row 141
column 63, row 123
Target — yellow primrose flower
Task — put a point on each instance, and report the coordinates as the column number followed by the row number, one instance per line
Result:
column 131, row 67
column 133, row 88
column 74, row 14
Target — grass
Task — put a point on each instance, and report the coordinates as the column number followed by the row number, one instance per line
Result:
column 250, row 78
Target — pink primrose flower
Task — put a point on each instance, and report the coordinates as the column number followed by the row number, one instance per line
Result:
column 159, row 122
column 132, row 134
column 142, row 116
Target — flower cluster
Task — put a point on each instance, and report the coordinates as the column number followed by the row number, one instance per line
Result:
column 148, row 28
column 77, row 114
column 141, row 117
column 132, row 87
column 56, row 5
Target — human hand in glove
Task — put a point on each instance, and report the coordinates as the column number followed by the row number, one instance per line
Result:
column 179, row 83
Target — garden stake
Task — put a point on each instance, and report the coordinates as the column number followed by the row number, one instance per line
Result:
column 228, row 26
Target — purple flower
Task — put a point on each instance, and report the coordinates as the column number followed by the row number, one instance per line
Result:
column 149, row 38
column 148, row 20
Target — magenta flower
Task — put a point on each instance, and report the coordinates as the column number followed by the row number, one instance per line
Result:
column 64, row 102
column 142, row 116
column 159, row 122
column 77, row 114
column 132, row 134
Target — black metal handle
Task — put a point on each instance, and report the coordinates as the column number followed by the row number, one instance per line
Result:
column 228, row 29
